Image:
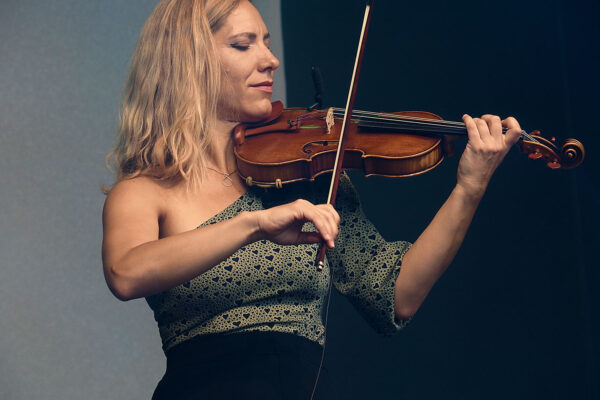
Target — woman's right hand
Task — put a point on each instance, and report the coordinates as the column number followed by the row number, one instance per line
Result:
column 283, row 224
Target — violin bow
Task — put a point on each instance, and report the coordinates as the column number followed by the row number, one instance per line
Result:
column 339, row 157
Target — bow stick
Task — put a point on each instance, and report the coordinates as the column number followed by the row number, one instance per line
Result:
column 339, row 157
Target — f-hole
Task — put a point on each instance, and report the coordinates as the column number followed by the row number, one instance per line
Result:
column 318, row 145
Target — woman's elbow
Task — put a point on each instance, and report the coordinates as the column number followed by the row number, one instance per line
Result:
column 406, row 307
column 121, row 293
column 405, row 312
column 119, row 286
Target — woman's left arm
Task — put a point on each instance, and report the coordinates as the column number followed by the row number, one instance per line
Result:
column 435, row 248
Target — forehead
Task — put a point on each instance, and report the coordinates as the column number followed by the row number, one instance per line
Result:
column 244, row 18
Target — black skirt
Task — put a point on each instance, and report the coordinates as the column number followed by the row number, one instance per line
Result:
column 253, row 365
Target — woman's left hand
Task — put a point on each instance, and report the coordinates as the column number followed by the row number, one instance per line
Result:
column 485, row 150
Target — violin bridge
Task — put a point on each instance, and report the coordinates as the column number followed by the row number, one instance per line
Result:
column 329, row 121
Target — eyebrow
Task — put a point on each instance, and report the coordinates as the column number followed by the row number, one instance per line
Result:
column 249, row 35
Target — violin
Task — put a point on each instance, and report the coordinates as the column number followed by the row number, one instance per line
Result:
column 295, row 144
column 301, row 145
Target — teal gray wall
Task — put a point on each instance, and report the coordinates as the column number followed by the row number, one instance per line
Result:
column 63, row 335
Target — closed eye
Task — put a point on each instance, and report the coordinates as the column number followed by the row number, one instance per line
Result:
column 251, row 37
column 241, row 47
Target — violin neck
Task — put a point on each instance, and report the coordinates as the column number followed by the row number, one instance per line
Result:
column 410, row 124
column 418, row 126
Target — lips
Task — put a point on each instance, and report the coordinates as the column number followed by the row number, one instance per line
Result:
column 266, row 86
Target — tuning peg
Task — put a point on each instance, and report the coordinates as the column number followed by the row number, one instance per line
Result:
column 536, row 132
column 536, row 155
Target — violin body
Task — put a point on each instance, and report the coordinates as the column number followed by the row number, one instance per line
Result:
column 287, row 149
column 294, row 144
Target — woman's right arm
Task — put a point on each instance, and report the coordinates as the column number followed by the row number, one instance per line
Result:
column 137, row 263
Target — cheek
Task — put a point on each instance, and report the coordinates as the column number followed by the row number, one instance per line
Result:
column 232, row 88
column 239, row 102
column 228, row 106
column 234, row 72
column 231, row 85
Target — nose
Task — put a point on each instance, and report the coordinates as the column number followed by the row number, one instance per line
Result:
column 268, row 61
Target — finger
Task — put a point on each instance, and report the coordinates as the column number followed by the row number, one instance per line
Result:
column 319, row 219
column 483, row 129
column 494, row 125
column 309, row 238
column 331, row 215
column 335, row 214
column 328, row 215
column 472, row 131
column 513, row 134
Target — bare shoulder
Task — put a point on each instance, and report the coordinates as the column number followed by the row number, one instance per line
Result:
column 135, row 187
column 140, row 195
column 131, row 216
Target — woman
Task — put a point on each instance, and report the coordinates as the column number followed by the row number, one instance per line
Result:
column 228, row 271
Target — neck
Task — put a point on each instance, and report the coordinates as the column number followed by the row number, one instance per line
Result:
column 221, row 155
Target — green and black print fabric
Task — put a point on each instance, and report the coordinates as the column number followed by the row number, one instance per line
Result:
column 269, row 287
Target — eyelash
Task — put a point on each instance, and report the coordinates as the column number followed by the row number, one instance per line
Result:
column 240, row 47
column 243, row 47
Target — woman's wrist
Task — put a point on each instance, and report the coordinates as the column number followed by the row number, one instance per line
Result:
column 250, row 224
column 470, row 193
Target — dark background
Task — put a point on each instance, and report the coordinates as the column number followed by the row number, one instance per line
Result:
column 516, row 314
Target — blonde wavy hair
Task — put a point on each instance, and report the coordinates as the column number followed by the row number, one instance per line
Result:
column 170, row 98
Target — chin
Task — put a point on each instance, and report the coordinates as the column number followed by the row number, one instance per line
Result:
column 258, row 113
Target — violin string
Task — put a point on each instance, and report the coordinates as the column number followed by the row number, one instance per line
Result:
column 405, row 118
column 376, row 120
column 426, row 125
column 408, row 122
column 396, row 120
column 410, row 119
column 413, row 124
column 391, row 117
column 385, row 120
column 429, row 125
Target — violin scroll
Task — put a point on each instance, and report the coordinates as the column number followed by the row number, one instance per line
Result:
column 573, row 153
column 570, row 154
